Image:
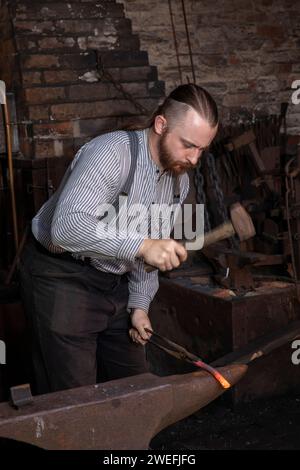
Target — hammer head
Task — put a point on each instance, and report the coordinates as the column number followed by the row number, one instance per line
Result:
column 242, row 222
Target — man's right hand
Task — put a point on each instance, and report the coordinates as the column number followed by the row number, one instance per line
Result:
column 163, row 254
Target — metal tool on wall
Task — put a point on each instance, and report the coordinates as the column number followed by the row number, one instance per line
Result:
column 3, row 102
column 292, row 196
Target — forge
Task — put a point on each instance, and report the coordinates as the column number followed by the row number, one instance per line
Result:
column 227, row 323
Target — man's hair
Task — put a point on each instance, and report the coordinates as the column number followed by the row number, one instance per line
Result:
column 181, row 100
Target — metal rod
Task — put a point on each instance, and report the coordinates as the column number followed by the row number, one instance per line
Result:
column 188, row 40
column 3, row 101
column 17, row 257
column 180, row 352
column 175, row 41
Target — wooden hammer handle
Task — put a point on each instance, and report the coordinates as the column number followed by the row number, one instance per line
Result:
column 222, row 232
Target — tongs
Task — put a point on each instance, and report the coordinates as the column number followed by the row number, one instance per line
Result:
column 175, row 350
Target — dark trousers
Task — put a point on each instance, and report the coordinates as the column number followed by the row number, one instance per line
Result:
column 78, row 322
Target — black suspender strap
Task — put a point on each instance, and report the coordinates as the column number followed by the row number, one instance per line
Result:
column 134, row 148
column 176, row 189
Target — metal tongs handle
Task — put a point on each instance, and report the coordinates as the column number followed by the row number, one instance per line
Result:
column 180, row 352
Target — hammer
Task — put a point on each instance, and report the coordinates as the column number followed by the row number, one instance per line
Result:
column 240, row 224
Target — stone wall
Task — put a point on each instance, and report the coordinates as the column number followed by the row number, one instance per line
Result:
column 246, row 53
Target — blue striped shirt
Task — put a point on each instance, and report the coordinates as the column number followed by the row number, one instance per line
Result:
column 69, row 220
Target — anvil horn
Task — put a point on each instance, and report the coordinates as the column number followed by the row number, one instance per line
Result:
column 121, row 414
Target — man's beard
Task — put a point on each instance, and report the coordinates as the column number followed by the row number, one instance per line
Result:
column 167, row 160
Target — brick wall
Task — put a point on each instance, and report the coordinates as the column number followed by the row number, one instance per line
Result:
column 48, row 58
column 246, row 53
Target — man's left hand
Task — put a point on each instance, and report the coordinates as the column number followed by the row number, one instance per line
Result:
column 140, row 321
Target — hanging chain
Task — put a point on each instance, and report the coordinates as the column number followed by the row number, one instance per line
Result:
column 216, row 185
column 102, row 73
column 218, row 193
column 200, row 195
